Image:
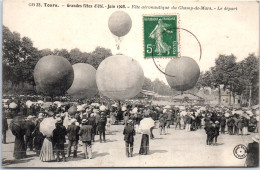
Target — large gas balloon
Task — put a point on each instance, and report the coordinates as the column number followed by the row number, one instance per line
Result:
column 53, row 75
column 119, row 23
column 84, row 84
column 120, row 77
column 186, row 72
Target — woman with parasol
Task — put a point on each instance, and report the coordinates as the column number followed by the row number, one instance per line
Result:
column 145, row 127
column 18, row 129
column 46, row 128
column 38, row 136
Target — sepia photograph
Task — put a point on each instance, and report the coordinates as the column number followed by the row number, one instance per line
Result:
column 101, row 84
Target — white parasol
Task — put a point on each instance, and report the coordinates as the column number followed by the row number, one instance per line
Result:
column 28, row 103
column 80, row 108
column 47, row 126
column 134, row 110
column 249, row 112
column 124, row 108
column 57, row 103
column 40, row 102
column 95, row 104
column 239, row 112
column 13, row 105
column 146, row 124
column 102, row 108
column 183, row 113
column 167, row 107
column 66, row 121
column 114, row 105
column 226, row 114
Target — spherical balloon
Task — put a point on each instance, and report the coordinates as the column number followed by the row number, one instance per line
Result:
column 186, row 72
column 53, row 75
column 119, row 23
column 84, row 84
column 120, row 77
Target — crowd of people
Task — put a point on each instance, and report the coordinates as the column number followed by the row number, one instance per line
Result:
column 75, row 121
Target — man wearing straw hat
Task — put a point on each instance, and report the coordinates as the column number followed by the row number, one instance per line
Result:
column 129, row 133
column 30, row 126
column 92, row 122
column 73, row 137
column 85, row 132
column 252, row 159
column 59, row 134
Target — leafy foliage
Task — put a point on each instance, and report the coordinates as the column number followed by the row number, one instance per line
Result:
column 20, row 57
column 238, row 77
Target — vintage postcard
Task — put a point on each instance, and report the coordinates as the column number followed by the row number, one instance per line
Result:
column 130, row 84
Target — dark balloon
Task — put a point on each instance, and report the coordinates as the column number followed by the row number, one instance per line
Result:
column 53, row 75
column 84, row 84
column 186, row 72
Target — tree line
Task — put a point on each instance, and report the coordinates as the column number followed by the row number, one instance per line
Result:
column 20, row 57
column 239, row 78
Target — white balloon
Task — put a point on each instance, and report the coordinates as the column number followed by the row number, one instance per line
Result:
column 119, row 77
column 119, row 23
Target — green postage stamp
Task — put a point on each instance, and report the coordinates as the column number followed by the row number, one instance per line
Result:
column 161, row 36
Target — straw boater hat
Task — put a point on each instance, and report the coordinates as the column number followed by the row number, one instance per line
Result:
column 130, row 121
column 40, row 115
column 73, row 120
column 29, row 117
column 58, row 120
column 256, row 138
column 84, row 121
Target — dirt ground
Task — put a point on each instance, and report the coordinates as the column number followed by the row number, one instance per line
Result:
column 178, row 148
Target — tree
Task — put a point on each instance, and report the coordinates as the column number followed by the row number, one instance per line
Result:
column 205, row 80
column 161, row 88
column 223, row 73
column 249, row 68
column 147, row 84
column 45, row 52
column 98, row 55
column 78, row 57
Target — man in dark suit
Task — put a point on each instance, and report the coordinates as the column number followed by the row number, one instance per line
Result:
column 92, row 122
column 4, row 127
column 30, row 127
column 102, row 127
column 222, row 124
column 129, row 133
column 230, row 124
column 73, row 137
column 85, row 132
column 178, row 121
column 59, row 134
column 252, row 159
column 210, row 133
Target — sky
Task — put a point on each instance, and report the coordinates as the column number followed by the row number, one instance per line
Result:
column 218, row 31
